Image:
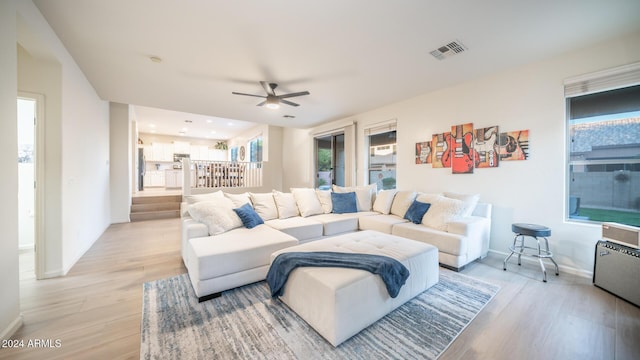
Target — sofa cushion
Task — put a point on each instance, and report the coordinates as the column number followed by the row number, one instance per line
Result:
column 239, row 199
column 286, row 204
column 344, row 202
column 325, row 200
column 382, row 223
column 401, row 202
column 334, row 224
column 300, row 228
column 307, row 201
column 383, row 202
column 470, row 201
column 265, row 205
column 192, row 199
column 453, row 244
column 416, row 211
column 442, row 211
column 249, row 217
column 365, row 195
column 217, row 215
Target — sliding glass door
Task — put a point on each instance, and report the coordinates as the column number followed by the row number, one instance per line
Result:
column 330, row 161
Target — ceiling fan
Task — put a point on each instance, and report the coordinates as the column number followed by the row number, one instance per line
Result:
column 272, row 101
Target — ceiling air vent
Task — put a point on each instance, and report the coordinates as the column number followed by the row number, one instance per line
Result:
column 448, row 50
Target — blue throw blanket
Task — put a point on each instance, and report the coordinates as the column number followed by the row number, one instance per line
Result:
column 392, row 272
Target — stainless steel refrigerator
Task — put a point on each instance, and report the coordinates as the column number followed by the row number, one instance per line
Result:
column 141, row 169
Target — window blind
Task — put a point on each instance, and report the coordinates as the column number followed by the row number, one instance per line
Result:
column 381, row 127
column 622, row 76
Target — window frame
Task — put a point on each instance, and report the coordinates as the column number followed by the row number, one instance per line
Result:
column 622, row 77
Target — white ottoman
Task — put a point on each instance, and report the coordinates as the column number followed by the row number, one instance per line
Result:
column 339, row 302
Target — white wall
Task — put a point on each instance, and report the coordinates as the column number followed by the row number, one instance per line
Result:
column 10, row 318
column 76, row 125
column 119, row 162
column 529, row 97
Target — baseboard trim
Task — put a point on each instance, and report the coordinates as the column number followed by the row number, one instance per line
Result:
column 563, row 268
column 13, row 327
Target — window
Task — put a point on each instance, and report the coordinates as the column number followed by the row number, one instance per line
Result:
column 604, row 151
column 330, row 161
column 255, row 150
column 382, row 156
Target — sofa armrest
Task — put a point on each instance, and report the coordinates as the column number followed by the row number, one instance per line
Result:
column 184, row 209
column 191, row 229
column 476, row 229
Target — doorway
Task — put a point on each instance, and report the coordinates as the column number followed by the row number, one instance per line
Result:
column 28, row 106
column 330, row 161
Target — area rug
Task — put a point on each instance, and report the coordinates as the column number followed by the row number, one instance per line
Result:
column 245, row 323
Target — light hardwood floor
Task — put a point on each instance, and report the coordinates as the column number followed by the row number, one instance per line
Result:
column 95, row 310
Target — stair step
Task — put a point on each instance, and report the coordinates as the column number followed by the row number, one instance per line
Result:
column 154, row 215
column 156, row 199
column 136, row 208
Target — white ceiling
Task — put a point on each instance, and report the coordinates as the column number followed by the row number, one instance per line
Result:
column 175, row 123
column 353, row 56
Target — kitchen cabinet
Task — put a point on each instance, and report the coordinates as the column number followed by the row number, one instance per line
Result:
column 200, row 152
column 181, row 147
column 154, row 178
column 173, row 178
column 161, row 152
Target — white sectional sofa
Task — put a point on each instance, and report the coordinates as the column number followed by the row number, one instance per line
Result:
column 220, row 253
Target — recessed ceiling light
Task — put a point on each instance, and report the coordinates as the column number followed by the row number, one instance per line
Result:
column 209, row 121
column 155, row 59
column 230, row 123
column 213, row 132
column 152, row 125
column 184, row 129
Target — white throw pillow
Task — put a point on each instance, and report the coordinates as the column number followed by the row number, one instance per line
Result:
column 442, row 211
column 192, row 199
column 470, row 201
column 239, row 199
column 402, row 201
column 217, row 215
column 383, row 202
column 264, row 205
column 307, row 201
column 286, row 204
column 325, row 200
column 365, row 195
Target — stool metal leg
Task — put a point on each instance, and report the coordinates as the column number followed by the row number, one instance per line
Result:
column 513, row 247
column 551, row 257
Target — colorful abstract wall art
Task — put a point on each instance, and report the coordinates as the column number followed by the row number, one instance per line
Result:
column 485, row 147
column 423, row 152
column 441, row 150
column 514, row 145
column 462, row 155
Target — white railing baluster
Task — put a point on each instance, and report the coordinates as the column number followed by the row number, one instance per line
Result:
column 225, row 174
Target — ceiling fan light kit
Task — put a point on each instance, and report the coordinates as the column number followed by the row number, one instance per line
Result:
column 272, row 101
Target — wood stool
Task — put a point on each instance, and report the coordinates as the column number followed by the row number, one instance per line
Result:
column 519, row 247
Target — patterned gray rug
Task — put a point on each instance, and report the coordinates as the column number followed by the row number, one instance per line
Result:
column 245, row 323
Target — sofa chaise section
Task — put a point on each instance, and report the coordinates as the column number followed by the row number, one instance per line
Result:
column 235, row 258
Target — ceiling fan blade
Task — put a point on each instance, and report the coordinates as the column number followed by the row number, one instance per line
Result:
column 262, row 103
column 288, row 102
column 237, row 93
column 294, row 94
column 268, row 87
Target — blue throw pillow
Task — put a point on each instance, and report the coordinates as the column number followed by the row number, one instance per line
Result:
column 249, row 217
column 416, row 211
column 344, row 202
